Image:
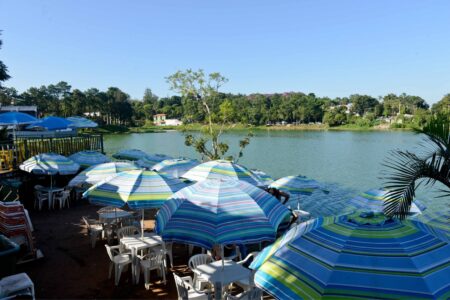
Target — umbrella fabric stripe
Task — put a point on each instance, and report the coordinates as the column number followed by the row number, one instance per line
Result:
column 97, row 173
column 89, row 158
column 234, row 212
column 138, row 188
column 222, row 169
column 130, row 154
column 329, row 261
column 175, row 167
column 50, row 164
column 296, row 185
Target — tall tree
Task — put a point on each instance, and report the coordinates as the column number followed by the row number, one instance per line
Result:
column 196, row 86
column 3, row 69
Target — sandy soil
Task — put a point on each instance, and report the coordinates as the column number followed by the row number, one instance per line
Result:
column 72, row 269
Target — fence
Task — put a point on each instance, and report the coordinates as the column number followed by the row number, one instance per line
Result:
column 12, row 155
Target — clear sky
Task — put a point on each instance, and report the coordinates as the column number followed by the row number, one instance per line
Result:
column 330, row 48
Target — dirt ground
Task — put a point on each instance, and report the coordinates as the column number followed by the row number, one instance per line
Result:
column 72, row 269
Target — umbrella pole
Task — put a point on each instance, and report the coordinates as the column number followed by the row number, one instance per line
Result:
column 142, row 223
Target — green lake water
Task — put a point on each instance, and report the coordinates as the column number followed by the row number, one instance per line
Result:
column 345, row 162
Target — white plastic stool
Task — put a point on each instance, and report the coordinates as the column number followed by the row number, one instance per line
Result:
column 18, row 284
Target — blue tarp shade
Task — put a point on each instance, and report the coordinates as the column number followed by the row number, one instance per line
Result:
column 16, row 118
column 51, row 123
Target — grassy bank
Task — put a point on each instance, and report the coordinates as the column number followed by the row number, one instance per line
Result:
column 117, row 129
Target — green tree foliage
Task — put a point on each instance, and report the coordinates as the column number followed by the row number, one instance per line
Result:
column 405, row 171
column 3, row 69
column 443, row 106
column 362, row 104
column 195, row 86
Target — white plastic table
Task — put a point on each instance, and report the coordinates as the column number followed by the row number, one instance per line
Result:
column 138, row 243
column 109, row 217
column 51, row 191
column 221, row 276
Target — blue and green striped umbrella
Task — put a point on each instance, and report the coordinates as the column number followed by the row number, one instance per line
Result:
column 50, row 164
column 220, row 212
column 129, row 154
column 97, row 173
column 89, row 158
column 150, row 160
column 263, row 176
column 374, row 199
column 297, row 185
column 359, row 256
column 139, row 189
column 176, row 167
column 222, row 169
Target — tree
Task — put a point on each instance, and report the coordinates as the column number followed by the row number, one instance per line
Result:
column 442, row 106
column 3, row 69
column 406, row 171
column 363, row 104
column 197, row 87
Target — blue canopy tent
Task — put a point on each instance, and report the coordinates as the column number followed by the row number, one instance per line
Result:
column 16, row 118
column 51, row 123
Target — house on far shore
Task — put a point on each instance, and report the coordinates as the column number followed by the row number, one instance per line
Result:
column 160, row 120
column 27, row 109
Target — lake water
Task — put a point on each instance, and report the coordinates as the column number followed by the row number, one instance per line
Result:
column 346, row 162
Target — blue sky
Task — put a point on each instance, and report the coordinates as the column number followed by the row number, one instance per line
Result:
column 330, row 48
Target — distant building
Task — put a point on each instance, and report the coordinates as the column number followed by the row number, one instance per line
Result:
column 173, row 122
column 159, row 119
column 29, row 109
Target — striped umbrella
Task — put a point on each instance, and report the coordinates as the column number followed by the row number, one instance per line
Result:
column 149, row 160
column 129, row 154
column 220, row 212
column 50, row 164
column 263, row 176
column 97, row 173
column 139, row 189
column 176, row 167
column 89, row 158
column 222, row 169
column 354, row 257
column 296, row 185
column 80, row 122
column 374, row 199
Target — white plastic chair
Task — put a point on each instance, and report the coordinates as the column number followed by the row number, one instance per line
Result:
column 194, row 262
column 94, row 229
column 152, row 261
column 127, row 231
column 186, row 290
column 62, row 198
column 40, row 197
column 16, row 286
column 118, row 260
column 252, row 294
column 247, row 283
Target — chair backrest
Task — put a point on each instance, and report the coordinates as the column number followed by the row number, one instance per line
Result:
column 183, row 293
column 199, row 259
column 109, row 251
column 127, row 231
column 252, row 294
column 155, row 260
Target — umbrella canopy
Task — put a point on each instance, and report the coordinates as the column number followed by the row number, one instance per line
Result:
column 176, row 167
column 222, row 169
column 50, row 164
column 51, row 123
column 80, row 122
column 373, row 200
column 130, row 154
column 150, row 160
column 263, row 176
column 356, row 256
column 16, row 118
column 296, row 185
column 218, row 211
column 89, row 158
column 97, row 173
column 139, row 189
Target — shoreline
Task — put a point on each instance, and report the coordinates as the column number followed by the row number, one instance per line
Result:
column 239, row 127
